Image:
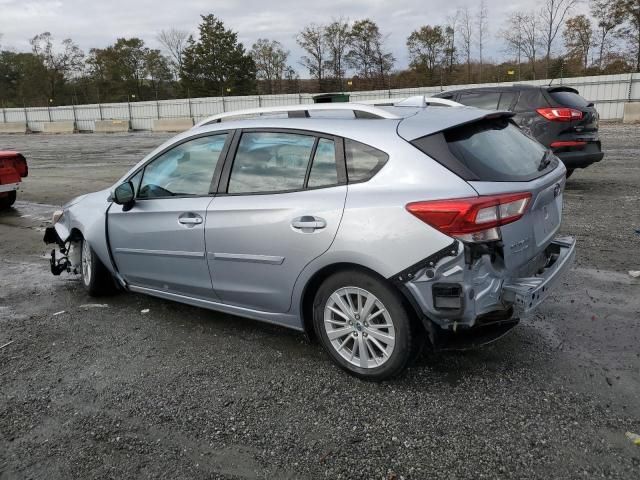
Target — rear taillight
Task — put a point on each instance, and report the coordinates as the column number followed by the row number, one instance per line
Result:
column 560, row 114
column 568, row 143
column 474, row 219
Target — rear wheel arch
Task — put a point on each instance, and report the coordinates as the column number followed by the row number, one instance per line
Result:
column 312, row 285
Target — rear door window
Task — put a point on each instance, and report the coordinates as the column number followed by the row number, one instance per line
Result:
column 270, row 162
column 486, row 100
column 490, row 150
column 324, row 169
column 568, row 99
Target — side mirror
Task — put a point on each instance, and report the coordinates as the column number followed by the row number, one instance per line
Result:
column 124, row 195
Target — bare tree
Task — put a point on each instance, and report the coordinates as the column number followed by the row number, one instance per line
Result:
column 312, row 41
column 531, row 39
column 631, row 11
column 513, row 35
column 270, row 58
column 466, row 32
column 552, row 17
column 337, row 36
column 482, row 26
column 450, row 34
column 610, row 15
column 61, row 63
column 175, row 42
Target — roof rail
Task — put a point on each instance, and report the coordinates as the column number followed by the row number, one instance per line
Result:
column 420, row 101
column 359, row 110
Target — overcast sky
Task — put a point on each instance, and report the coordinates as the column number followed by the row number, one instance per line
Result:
column 97, row 23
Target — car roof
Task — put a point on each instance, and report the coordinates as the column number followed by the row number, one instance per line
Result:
column 515, row 86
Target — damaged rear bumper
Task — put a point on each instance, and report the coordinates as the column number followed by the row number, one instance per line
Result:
column 525, row 294
column 459, row 296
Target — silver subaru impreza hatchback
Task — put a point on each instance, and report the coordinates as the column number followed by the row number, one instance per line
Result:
column 376, row 229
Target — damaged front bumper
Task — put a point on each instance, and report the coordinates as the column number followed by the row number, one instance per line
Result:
column 67, row 260
column 459, row 294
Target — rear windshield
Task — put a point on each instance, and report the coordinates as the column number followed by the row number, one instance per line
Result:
column 490, row 150
column 569, row 99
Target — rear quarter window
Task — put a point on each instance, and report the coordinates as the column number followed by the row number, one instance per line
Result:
column 493, row 150
column 363, row 161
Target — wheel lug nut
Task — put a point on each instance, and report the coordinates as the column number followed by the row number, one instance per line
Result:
column 355, row 334
column 364, row 334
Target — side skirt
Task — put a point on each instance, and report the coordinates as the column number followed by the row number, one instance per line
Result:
column 280, row 319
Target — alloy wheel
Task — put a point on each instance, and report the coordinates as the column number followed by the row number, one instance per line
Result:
column 359, row 327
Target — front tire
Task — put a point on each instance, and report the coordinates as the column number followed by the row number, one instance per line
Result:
column 364, row 325
column 96, row 279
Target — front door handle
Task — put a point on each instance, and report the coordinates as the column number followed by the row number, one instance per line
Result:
column 308, row 223
column 190, row 219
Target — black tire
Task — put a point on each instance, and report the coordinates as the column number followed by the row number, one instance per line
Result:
column 405, row 346
column 569, row 172
column 96, row 279
column 8, row 200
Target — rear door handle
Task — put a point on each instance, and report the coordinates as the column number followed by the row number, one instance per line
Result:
column 190, row 219
column 309, row 223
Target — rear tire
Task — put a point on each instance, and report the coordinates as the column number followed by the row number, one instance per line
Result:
column 363, row 325
column 96, row 279
column 569, row 172
column 8, row 200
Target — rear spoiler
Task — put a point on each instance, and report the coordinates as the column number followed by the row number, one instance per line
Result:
column 562, row 88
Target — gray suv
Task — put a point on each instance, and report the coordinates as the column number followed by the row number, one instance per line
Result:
column 375, row 229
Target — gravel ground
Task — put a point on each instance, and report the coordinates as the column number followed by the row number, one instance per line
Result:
column 103, row 390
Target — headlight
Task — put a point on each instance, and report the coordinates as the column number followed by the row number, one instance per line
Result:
column 57, row 215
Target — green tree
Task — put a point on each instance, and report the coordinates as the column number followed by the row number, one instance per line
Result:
column 367, row 55
column 427, row 49
column 217, row 61
column 578, row 35
column 128, row 67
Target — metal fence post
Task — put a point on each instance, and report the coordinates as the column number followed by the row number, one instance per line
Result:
column 224, row 108
column 100, row 110
column 630, row 87
column 75, row 117
column 26, row 116
column 190, row 111
column 4, row 115
column 49, row 110
column 259, row 101
column 130, row 119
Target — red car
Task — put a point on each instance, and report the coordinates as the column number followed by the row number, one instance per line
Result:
column 13, row 168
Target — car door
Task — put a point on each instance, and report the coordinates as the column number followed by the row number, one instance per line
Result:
column 159, row 242
column 281, row 201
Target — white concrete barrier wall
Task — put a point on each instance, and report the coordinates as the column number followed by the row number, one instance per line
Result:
column 111, row 126
column 608, row 92
column 58, row 127
column 13, row 127
column 631, row 113
column 172, row 124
